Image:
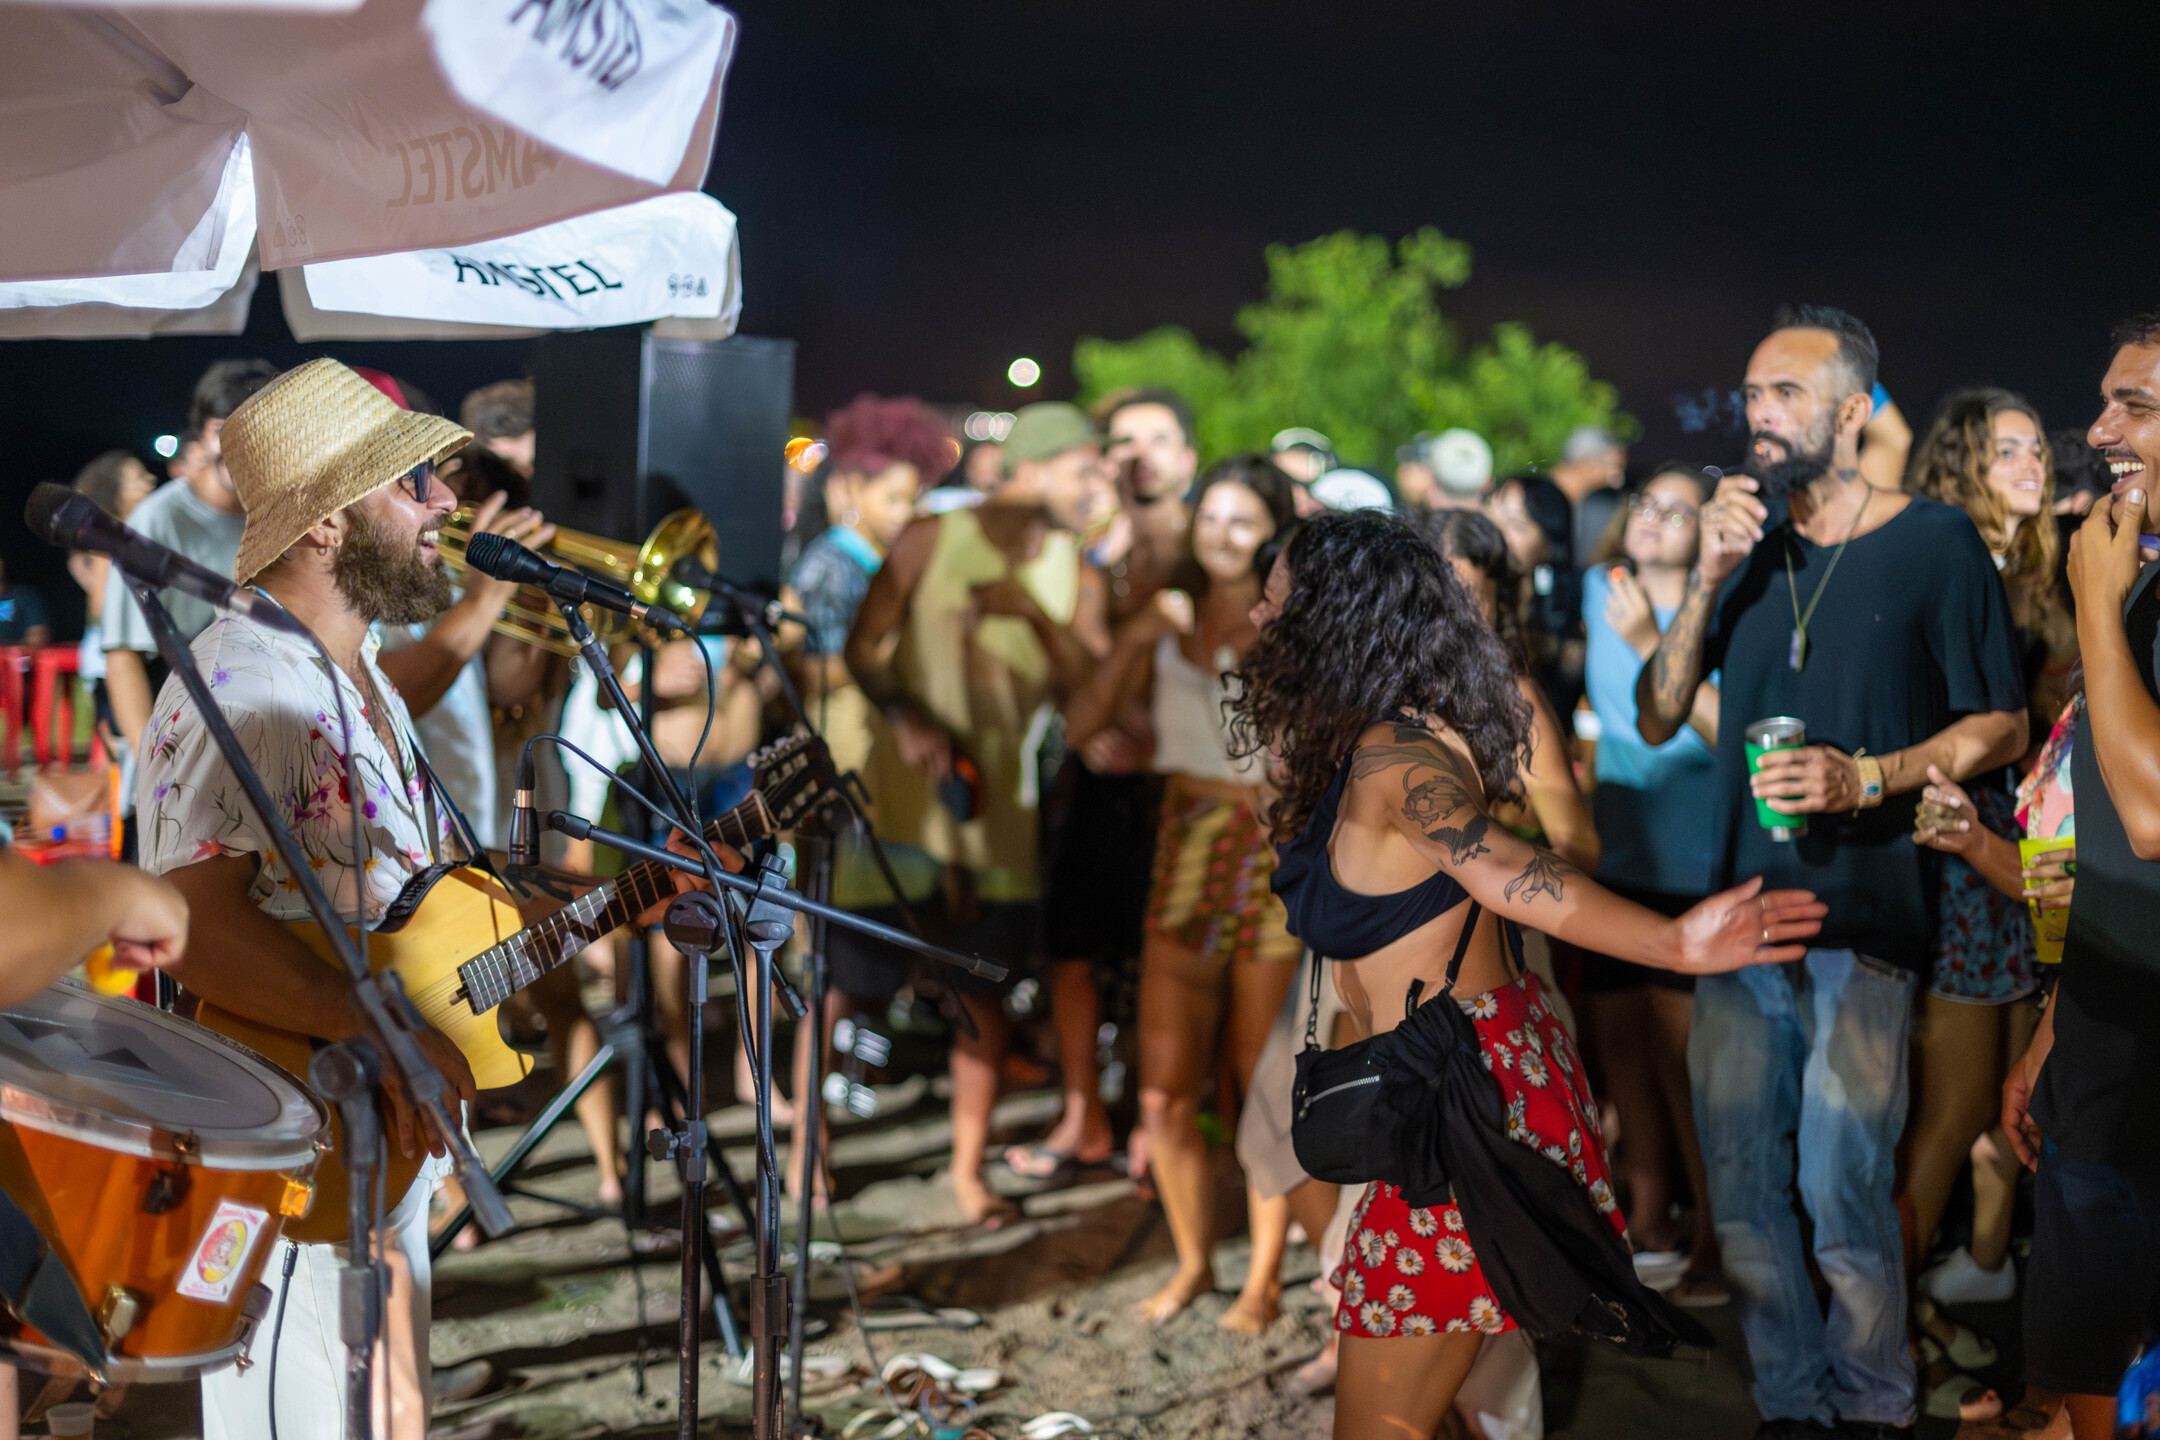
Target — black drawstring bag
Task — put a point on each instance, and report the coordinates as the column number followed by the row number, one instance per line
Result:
column 1371, row 1110
column 1421, row 1112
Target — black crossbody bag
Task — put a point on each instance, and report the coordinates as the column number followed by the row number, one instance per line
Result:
column 1371, row 1110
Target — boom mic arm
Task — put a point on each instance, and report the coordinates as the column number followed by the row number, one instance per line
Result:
column 505, row 559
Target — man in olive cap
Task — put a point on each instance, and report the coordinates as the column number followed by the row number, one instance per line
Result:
column 975, row 630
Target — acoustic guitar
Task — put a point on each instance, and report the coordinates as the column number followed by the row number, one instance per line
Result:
column 460, row 948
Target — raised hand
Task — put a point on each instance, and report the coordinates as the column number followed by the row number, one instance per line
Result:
column 1748, row 925
column 1627, row 610
column 1731, row 527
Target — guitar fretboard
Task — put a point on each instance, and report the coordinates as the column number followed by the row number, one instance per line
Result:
column 500, row 971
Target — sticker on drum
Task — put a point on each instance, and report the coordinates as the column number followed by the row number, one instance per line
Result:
column 215, row 1267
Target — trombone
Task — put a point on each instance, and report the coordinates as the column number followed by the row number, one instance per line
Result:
column 671, row 569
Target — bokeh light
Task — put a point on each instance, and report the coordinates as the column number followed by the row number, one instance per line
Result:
column 1023, row 372
column 166, row 446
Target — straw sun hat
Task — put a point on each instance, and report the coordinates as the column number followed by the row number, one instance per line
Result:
column 313, row 441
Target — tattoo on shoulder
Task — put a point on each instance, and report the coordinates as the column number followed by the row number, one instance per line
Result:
column 1546, row 874
column 1438, row 786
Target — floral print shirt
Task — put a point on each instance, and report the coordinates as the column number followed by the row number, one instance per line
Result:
column 281, row 701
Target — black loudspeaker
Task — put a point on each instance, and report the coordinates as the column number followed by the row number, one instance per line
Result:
column 632, row 427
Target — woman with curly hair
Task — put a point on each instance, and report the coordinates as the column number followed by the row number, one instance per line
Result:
column 1553, row 812
column 1396, row 723
column 1216, row 956
column 1986, row 453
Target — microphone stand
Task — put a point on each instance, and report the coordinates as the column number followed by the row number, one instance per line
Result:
column 697, row 929
column 685, row 1144
column 815, row 842
column 349, row 1072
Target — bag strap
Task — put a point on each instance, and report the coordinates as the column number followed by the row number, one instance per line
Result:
column 1462, row 947
column 1312, row 1011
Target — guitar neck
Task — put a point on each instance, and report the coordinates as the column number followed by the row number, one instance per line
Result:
column 497, row 973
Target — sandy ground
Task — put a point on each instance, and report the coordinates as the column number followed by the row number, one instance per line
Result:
column 568, row 1319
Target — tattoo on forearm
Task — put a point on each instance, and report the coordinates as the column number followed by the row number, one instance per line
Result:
column 1676, row 664
column 1438, row 786
column 1546, row 874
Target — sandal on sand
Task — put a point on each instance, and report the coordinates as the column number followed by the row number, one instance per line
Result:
column 910, row 1374
column 1966, row 1349
column 1040, row 1162
column 905, row 1312
column 1948, row 1392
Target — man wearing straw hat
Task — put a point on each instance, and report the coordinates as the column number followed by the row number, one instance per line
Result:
column 342, row 507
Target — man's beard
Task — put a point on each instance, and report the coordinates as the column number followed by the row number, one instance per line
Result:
column 1807, row 461
column 385, row 578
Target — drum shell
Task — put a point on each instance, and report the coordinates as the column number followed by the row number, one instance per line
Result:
column 88, row 1203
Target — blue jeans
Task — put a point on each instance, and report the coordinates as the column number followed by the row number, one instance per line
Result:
column 1799, row 1074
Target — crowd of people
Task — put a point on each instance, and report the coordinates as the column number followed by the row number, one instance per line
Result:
column 1740, row 862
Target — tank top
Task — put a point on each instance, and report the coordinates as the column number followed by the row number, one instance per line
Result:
column 1339, row 923
column 1186, row 709
column 987, row 679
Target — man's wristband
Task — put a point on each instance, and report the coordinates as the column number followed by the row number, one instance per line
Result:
column 1871, row 781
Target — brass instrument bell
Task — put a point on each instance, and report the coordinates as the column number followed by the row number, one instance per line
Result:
column 672, row 569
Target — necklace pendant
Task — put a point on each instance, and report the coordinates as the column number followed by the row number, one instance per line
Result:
column 1798, row 655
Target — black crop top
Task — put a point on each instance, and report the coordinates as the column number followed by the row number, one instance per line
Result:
column 1336, row 923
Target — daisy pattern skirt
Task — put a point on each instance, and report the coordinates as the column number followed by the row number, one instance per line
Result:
column 1410, row 1270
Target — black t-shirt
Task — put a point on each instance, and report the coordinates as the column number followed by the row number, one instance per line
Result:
column 2099, row 1092
column 1912, row 633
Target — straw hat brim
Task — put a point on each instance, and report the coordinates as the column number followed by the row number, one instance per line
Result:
column 314, row 441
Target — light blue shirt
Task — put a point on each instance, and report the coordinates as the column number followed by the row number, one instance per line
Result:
column 1652, row 802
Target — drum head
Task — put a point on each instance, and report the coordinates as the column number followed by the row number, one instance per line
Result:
column 126, row 1076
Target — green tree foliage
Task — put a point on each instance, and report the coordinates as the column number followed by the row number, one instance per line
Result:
column 1350, row 341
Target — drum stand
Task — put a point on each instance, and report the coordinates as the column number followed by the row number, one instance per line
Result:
column 353, row 1069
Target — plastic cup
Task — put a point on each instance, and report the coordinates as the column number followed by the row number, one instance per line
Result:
column 1779, row 732
column 75, row 1418
column 2050, row 927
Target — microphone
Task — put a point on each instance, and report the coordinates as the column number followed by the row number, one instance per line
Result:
column 524, row 828
column 60, row 516
column 505, row 559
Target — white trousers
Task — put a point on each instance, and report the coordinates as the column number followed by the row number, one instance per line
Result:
column 310, row 1357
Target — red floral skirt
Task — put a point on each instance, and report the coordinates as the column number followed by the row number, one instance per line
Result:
column 1412, row 1270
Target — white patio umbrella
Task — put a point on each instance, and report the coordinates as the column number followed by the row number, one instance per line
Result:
column 398, row 126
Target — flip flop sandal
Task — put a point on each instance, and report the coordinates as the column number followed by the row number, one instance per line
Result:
column 1055, row 1424
column 896, row 1426
column 1965, row 1348
column 815, row 1367
column 1949, row 1393
column 905, row 1312
column 941, row 1373
column 1042, row 1163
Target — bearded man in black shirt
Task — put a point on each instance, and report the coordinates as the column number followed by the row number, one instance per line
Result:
column 1877, row 619
column 2081, row 1107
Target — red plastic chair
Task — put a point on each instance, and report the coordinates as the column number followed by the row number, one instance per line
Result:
column 14, row 660
column 52, row 708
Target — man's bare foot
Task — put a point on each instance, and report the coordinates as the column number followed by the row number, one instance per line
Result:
column 981, row 1204
column 1174, row 1296
column 1251, row 1314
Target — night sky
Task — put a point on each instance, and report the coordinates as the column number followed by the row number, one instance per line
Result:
column 927, row 190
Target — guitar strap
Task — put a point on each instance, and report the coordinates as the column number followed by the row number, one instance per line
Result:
column 474, row 853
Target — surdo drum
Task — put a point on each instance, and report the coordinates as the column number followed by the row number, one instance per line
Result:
column 159, row 1161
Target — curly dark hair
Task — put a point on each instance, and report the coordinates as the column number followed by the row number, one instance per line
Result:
column 1375, row 624
column 871, row 434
